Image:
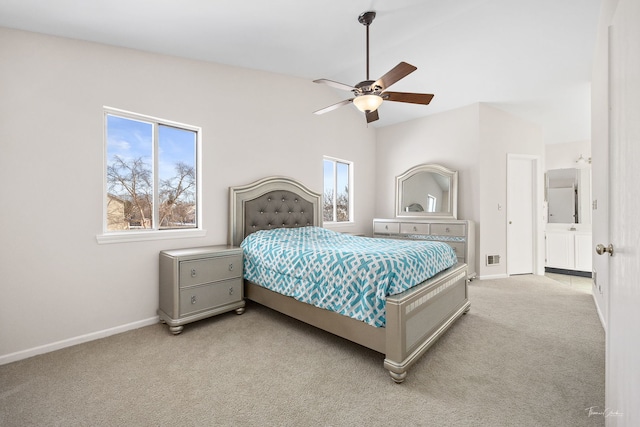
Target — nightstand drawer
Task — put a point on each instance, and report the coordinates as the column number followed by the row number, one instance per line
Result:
column 210, row 296
column 448, row 230
column 209, row 269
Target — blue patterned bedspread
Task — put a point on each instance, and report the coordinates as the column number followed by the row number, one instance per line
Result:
column 339, row 272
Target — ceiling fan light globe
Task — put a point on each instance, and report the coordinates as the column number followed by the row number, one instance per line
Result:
column 367, row 102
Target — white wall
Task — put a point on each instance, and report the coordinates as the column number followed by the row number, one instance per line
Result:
column 564, row 155
column 58, row 285
column 475, row 141
column 449, row 138
column 501, row 134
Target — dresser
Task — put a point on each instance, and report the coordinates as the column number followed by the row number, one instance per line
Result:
column 197, row 283
column 459, row 234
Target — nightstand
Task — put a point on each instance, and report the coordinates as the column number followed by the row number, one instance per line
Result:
column 197, row 283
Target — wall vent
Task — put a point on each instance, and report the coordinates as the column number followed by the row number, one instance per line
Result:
column 493, row 259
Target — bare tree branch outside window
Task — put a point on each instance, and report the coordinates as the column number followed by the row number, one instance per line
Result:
column 132, row 182
column 177, row 199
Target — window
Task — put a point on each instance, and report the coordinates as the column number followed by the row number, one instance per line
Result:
column 151, row 174
column 337, row 198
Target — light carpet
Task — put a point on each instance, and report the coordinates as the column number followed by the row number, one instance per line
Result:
column 529, row 353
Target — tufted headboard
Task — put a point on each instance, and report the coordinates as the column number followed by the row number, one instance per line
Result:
column 271, row 202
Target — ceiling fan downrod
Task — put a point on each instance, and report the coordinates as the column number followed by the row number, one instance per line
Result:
column 366, row 18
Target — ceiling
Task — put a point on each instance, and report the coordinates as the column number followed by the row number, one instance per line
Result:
column 529, row 57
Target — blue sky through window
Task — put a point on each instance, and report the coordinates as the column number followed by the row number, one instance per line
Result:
column 131, row 139
column 328, row 176
column 175, row 145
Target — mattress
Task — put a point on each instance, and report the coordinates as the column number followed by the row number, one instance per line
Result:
column 347, row 274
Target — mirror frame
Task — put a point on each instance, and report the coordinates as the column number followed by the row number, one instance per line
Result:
column 452, row 211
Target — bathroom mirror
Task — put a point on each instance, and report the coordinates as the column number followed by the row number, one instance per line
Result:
column 427, row 191
column 568, row 194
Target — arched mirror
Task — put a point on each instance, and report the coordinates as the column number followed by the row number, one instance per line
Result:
column 427, row 191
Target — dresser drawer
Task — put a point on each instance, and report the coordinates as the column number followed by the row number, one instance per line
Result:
column 448, row 230
column 212, row 295
column 386, row 227
column 414, row 228
column 458, row 247
column 206, row 270
column 459, row 234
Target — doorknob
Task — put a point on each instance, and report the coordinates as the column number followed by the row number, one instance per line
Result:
column 601, row 249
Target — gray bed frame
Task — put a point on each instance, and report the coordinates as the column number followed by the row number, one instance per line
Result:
column 415, row 319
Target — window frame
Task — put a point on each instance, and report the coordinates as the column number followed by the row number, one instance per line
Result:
column 350, row 194
column 154, row 233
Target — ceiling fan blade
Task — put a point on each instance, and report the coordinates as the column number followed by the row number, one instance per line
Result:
column 396, row 73
column 337, row 85
column 371, row 116
column 334, row 106
column 413, row 98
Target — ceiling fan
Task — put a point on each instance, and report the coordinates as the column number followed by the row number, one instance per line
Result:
column 369, row 94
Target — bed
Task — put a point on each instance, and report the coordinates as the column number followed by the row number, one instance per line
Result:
column 413, row 319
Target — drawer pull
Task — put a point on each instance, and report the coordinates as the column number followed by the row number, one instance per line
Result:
column 193, row 272
column 415, row 228
column 193, row 299
column 230, row 267
column 230, row 291
column 447, row 230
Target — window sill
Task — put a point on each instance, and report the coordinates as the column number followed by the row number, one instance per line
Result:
column 143, row 236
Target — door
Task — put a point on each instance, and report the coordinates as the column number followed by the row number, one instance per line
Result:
column 521, row 178
column 623, row 316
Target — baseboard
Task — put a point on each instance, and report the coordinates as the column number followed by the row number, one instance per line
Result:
column 25, row 354
column 602, row 321
column 493, row 276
